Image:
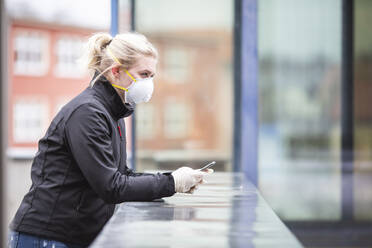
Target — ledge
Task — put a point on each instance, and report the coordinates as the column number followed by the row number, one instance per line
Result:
column 228, row 211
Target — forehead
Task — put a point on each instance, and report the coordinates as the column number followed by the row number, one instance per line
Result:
column 145, row 63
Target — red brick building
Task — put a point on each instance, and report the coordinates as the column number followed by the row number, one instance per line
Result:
column 43, row 76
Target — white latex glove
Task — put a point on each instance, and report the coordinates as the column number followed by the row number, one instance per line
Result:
column 186, row 178
column 191, row 191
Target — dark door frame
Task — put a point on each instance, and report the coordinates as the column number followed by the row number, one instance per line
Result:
column 347, row 105
column 2, row 124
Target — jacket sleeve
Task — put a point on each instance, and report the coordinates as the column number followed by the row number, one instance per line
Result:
column 88, row 135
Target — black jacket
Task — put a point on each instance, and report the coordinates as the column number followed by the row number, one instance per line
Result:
column 80, row 172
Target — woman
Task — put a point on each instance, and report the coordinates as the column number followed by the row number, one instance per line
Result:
column 79, row 172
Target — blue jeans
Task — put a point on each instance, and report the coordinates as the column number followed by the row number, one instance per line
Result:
column 22, row 240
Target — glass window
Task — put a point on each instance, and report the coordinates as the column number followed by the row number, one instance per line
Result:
column 193, row 84
column 68, row 50
column 177, row 118
column 30, row 118
column 30, row 53
column 299, row 47
column 177, row 64
column 146, row 121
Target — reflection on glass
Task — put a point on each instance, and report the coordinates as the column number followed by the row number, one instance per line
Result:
column 189, row 118
column 299, row 91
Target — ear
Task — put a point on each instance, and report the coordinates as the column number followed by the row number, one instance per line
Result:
column 115, row 71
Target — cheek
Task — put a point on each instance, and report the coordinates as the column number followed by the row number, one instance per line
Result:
column 125, row 81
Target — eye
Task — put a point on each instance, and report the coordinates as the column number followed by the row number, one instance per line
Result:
column 144, row 74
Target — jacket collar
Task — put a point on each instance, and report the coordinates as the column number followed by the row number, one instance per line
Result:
column 110, row 98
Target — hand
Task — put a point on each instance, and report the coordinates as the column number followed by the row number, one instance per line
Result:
column 186, row 178
column 191, row 191
column 208, row 170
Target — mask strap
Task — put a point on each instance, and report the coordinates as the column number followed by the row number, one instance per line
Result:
column 117, row 61
column 117, row 86
column 130, row 75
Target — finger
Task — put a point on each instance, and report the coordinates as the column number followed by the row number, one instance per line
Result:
column 190, row 191
column 198, row 177
column 195, row 181
column 190, row 188
column 198, row 180
column 193, row 189
column 199, row 172
column 203, row 172
column 203, row 181
column 187, row 189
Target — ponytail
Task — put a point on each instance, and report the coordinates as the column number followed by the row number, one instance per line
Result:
column 92, row 56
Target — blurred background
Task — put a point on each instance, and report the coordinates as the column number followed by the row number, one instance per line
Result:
column 315, row 175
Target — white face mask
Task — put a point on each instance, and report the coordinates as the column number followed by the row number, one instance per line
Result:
column 140, row 91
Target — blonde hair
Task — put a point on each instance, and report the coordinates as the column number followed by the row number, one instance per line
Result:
column 127, row 48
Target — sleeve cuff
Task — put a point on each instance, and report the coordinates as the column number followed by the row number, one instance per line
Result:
column 172, row 187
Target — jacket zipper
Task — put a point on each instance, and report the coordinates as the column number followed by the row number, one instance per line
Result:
column 119, row 131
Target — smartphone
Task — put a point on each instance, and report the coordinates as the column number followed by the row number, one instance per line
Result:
column 208, row 166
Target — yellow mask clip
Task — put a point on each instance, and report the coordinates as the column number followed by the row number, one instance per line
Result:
column 117, row 61
column 117, row 86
